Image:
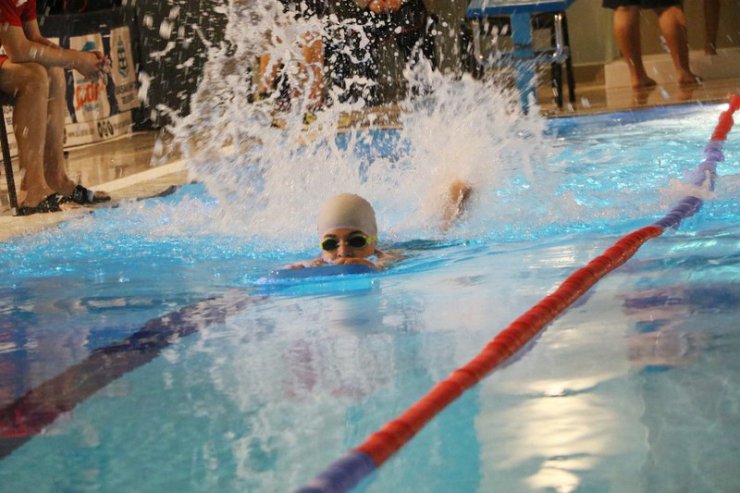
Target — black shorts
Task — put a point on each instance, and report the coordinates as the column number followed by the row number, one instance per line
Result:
column 643, row 4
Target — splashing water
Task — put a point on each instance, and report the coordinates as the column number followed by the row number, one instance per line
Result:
column 271, row 181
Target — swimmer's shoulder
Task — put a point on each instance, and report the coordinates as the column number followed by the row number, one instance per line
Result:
column 388, row 258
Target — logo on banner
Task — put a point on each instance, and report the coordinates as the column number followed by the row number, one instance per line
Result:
column 122, row 61
column 90, row 95
column 122, row 73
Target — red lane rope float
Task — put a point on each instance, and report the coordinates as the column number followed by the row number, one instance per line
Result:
column 360, row 462
column 382, row 444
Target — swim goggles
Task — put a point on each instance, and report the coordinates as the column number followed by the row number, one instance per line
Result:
column 354, row 240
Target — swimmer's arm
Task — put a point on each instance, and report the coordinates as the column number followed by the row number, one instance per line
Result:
column 456, row 203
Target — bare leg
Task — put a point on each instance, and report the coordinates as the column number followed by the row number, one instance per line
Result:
column 29, row 83
column 313, row 54
column 672, row 23
column 54, row 169
column 711, row 25
column 265, row 80
column 54, row 163
column 627, row 34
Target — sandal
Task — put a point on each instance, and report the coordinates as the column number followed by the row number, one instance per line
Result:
column 49, row 204
column 85, row 196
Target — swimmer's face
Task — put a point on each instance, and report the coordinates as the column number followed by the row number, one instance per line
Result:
column 346, row 243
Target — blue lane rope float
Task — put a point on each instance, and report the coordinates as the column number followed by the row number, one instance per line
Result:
column 345, row 473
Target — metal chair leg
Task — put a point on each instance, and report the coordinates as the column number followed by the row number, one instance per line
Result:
column 557, row 83
column 556, row 66
column 569, row 63
column 12, row 198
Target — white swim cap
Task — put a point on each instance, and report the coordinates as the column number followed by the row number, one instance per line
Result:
column 350, row 211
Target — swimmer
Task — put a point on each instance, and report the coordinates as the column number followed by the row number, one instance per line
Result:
column 349, row 231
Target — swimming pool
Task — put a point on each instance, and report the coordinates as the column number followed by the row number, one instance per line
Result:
column 636, row 388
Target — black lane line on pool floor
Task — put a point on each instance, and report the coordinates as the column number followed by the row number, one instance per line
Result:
column 42, row 405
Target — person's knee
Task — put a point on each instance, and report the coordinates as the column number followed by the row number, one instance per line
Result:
column 34, row 79
column 673, row 10
column 56, row 74
column 57, row 79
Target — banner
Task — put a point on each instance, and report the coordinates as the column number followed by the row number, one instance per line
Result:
column 87, row 132
column 123, row 69
column 8, row 115
column 90, row 94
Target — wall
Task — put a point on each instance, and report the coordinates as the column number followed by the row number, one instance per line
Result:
column 590, row 28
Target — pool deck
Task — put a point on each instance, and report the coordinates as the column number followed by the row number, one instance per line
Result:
column 131, row 167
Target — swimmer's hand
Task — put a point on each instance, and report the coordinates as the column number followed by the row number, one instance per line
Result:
column 340, row 261
column 311, row 263
column 354, row 260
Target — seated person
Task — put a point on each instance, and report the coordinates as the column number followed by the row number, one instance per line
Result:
column 293, row 79
column 33, row 72
column 275, row 76
column 349, row 232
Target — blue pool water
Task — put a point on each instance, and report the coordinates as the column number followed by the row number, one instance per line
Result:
column 636, row 388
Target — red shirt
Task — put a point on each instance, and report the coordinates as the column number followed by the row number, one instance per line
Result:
column 16, row 12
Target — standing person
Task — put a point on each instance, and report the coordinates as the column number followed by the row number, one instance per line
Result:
column 33, row 72
column 672, row 21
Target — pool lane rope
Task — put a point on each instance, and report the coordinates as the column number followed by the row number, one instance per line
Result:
column 345, row 473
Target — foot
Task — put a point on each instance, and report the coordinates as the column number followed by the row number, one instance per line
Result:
column 31, row 198
column 686, row 78
column 643, row 82
column 642, row 95
column 51, row 203
column 85, row 196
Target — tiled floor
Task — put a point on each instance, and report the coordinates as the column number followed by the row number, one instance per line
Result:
column 129, row 168
column 597, row 99
column 122, row 167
